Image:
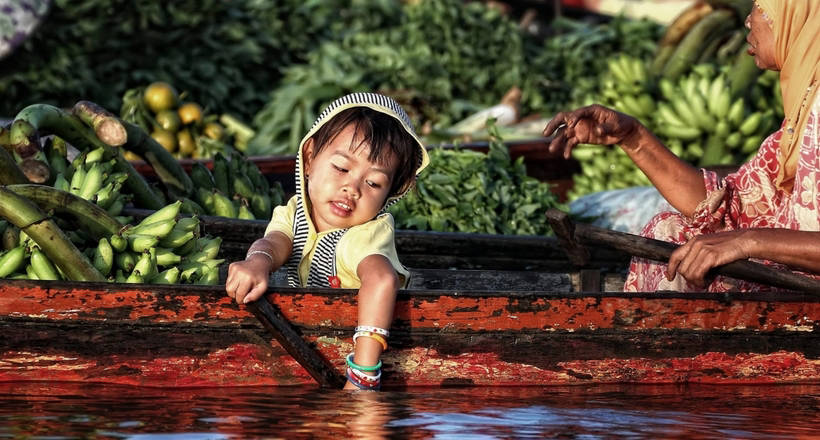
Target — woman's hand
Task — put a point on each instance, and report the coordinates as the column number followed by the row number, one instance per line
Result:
column 248, row 280
column 594, row 124
column 704, row 252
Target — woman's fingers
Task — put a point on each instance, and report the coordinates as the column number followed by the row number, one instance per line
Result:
column 554, row 123
column 256, row 292
column 675, row 260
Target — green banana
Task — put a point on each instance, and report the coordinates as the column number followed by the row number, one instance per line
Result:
column 177, row 238
column 31, row 274
column 261, row 206
column 220, row 173
column 209, row 276
column 77, row 179
column 94, row 156
column 141, row 243
column 751, row 123
column 188, row 224
column 191, row 207
column 93, row 181
column 168, row 212
column 103, row 258
column 135, row 278
column 223, row 206
column 126, row 261
column 168, row 276
column 118, row 242
column 61, row 183
column 12, row 260
column 167, row 257
column 43, row 267
column 245, row 213
column 146, row 265
column 242, row 185
column 202, row 177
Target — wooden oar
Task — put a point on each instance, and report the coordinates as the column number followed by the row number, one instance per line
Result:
column 572, row 236
column 287, row 336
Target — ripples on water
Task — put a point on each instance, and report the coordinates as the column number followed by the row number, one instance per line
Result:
column 62, row 410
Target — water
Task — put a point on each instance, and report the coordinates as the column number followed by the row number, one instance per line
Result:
column 62, row 411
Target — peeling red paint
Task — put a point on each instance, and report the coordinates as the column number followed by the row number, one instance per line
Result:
column 195, row 336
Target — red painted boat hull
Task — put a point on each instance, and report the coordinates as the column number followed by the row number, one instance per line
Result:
column 173, row 336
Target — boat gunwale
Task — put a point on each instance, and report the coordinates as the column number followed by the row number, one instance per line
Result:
column 188, row 289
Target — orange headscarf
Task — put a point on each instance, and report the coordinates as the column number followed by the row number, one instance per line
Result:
column 796, row 26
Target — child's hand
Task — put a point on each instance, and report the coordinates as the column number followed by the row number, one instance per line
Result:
column 248, row 280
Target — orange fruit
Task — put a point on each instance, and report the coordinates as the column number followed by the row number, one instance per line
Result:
column 165, row 138
column 190, row 112
column 169, row 120
column 186, row 142
column 159, row 96
column 213, row 130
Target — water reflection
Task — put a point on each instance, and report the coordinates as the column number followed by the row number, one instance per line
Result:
column 63, row 410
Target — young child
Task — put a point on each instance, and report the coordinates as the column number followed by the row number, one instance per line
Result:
column 360, row 157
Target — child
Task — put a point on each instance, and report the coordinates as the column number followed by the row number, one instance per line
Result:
column 360, row 157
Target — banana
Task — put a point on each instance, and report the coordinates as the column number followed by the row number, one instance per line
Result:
column 206, row 199
column 106, row 196
column 187, row 275
column 116, row 207
column 126, row 261
column 751, row 144
column 734, row 140
column 61, row 183
column 750, row 124
column 208, row 251
column 94, row 156
column 705, row 120
column 177, row 238
column 168, row 276
column 42, row 266
column 157, row 229
column 31, row 274
column 103, row 258
column 722, row 129
column 682, row 109
column 223, row 206
column 11, row 237
column 92, row 182
column 202, row 177
column 683, row 22
column 168, row 212
column 647, row 104
column 220, row 173
column 186, row 248
column 261, row 206
column 118, row 242
column 191, row 207
column 616, row 68
column 146, row 265
column 135, row 278
column 713, row 94
column 209, row 276
column 77, row 180
column 141, row 243
column 167, row 257
column 735, row 115
column 12, row 260
column 188, row 224
column 119, row 277
column 680, row 132
column 242, row 185
column 245, row 213
column 259, row 181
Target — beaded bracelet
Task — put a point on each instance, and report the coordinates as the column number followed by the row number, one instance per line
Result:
column 353, row 365
column 265, row 253
column 370, row 328
column 371, row 335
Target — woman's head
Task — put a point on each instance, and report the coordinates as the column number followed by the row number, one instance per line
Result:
column 795, row 28
column 761, row 39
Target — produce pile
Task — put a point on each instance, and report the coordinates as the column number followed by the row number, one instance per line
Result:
column 469, row 191
column 182, row 128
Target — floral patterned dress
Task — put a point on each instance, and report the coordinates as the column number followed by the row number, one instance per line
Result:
column 747, row 198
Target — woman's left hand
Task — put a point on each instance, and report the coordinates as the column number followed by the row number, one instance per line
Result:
column 704, row 252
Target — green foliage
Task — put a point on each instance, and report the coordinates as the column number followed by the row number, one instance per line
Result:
column 468, row 191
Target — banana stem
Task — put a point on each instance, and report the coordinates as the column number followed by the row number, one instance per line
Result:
column 87, row 214
column 24, row 138
column 10, row 173
column 107, row 127
column 24, row 214
column 47, row 119
column 166, row 166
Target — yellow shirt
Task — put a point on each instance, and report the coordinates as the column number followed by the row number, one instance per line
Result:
column 375, row 237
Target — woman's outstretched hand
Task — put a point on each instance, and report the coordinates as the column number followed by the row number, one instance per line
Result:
column 594, row 124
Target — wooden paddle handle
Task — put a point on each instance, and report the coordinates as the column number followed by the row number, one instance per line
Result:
column 658, row 250
column 292, row 341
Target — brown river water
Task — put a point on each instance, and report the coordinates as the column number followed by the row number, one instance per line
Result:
column 47, row 410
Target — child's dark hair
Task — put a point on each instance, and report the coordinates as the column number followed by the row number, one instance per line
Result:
column 386, row 136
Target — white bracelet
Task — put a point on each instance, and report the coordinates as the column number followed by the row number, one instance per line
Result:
column 252, row 253
column 369, row 328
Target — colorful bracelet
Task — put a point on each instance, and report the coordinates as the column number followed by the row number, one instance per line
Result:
column 370, row 328
column 371, row 335
column 359, row 384
column 265, row 253
column 353, row 365
column 366, row 377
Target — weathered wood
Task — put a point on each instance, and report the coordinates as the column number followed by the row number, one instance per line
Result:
column 564, row 229
column 292, row 341
column 459, row 280
column 196, row 336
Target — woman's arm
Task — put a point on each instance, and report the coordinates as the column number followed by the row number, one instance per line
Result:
column 797, row 249
column 678, row 182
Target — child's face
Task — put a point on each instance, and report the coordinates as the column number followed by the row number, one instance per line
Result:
column 345, row 189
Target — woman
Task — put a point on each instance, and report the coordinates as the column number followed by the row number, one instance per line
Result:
column 769, row 209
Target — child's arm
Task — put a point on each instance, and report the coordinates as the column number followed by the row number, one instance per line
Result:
column 248, row 279
column 377, row 299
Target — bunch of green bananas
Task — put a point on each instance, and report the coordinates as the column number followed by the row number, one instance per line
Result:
column 159, row 250
column 90, row 177
column 604, row 168
column 235, row 188
column 700, row 122
column 626, row 86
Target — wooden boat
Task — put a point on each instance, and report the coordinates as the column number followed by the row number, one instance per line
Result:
column 484, row 328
